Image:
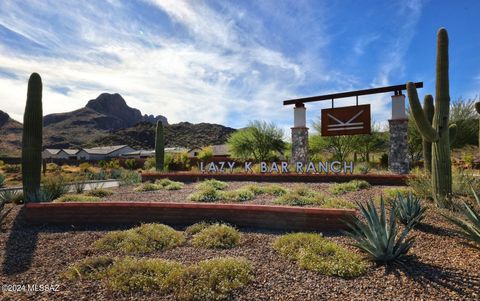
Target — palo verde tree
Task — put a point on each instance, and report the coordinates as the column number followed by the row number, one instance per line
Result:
column 437, row 132
column 159, row 147
column 32, row 140
column 259, row 140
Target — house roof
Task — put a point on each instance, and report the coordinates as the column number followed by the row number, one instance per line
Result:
column 220, row 150
column 103, row 150
column 142, row 152
column 175, row 149
column 52, row 151
column 71, row 151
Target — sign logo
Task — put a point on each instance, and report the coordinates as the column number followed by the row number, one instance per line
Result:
column 352, row 120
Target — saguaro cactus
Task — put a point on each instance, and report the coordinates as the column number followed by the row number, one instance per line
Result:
column 428, row 110
column 32, row 140
column 159, row 147
column 438, row 131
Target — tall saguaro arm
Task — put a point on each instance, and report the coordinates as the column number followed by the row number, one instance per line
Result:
column 421, row 120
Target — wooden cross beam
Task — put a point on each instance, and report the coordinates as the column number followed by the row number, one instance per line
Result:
column 397, row 89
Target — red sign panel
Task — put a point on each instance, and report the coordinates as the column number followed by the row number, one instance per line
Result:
column 352, row 120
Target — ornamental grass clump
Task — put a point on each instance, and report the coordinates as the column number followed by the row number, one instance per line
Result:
column 143, row 239
column 313, row 252
column 378, row 238
column 91, row 268
column 217, row 236
column 169, row 184
column 11, row 196
column 469, row 223
column 409, row 210
column 354, row 185
column 148, row 187
column 206, row 195
column 300, row 196
column 69, row 198
column 392, row 193
column 195, row 228
column 99, row 192
column 212, row 183
column 337, row 203
column 238, row 195
column 212, row 279
column 142, row 275
column 54, row 187
column 275, row 190
column 2, row 180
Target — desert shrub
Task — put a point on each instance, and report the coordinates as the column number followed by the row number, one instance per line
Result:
column 363, row 168
column 68, row 198
column 148, row 187
column 145, row 274
column 102, row 164
column 212, row 183
column 409, row 210
column 115, row 173
column 421, row 184
column 392, row 193
column 149, row 163
column 195, row 228
column 3, row 212
column 11, row 196
column 469, row 223
column 55, row 187
column 378, row 238
column 79, row 185
column 113, row 164
column 92, row 268
column 130, row 164
column 300, row 196
column 130, row 177
column 384, row 160
column 101, row 175
column 212, row 279
column 143, row 239
column 463, row 181
column 169, row 184
column 12, row 168
column 84, row 167
column 2, row 163
column 313, row 252
column 206, row 195
column 238, row 195
column 174, row 186
column 217, row 236
column 273, row 189
column 337, row 203
column 99, row 192
column 354, row 185
column 2, row 181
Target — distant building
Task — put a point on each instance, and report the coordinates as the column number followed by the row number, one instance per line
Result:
column 53, row 153
column 220, row 150
column 151, row 153
column 103, row 152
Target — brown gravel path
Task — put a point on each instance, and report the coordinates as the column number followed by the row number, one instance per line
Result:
column 443, row 268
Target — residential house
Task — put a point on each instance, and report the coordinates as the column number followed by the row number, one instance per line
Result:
column 103, row 152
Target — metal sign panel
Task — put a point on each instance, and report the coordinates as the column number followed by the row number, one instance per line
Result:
column 352, row 120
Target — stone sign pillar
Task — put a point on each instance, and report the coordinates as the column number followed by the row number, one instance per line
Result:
column 398, row 155
column 299, row 134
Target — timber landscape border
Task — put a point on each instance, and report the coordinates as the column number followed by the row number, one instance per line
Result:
column 285, row 218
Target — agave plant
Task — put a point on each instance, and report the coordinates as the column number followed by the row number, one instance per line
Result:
column 409, row 210
column 470, row 223
column 380, row 238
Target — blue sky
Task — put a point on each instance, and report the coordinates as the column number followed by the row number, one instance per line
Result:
column 230, row 62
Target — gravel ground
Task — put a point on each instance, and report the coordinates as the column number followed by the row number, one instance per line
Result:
column 441, row 267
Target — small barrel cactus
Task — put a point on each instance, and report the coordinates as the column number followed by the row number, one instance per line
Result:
column 32, row 140
column 159, row 147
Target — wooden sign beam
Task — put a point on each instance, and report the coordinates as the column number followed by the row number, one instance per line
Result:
column 396, row 89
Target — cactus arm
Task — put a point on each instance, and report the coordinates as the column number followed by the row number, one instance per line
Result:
column 442, row 87
column 423, row 125
column 452, row 132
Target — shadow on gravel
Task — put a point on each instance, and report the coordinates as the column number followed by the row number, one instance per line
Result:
column 430, row 229
column 20, row 246
column 461, row 282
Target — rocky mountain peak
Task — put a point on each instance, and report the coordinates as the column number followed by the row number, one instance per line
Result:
column 4, row 117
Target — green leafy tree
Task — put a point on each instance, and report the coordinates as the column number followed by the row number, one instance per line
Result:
column 341, row 147
column 369, row 143
column 463, row 114
column 260, row 141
